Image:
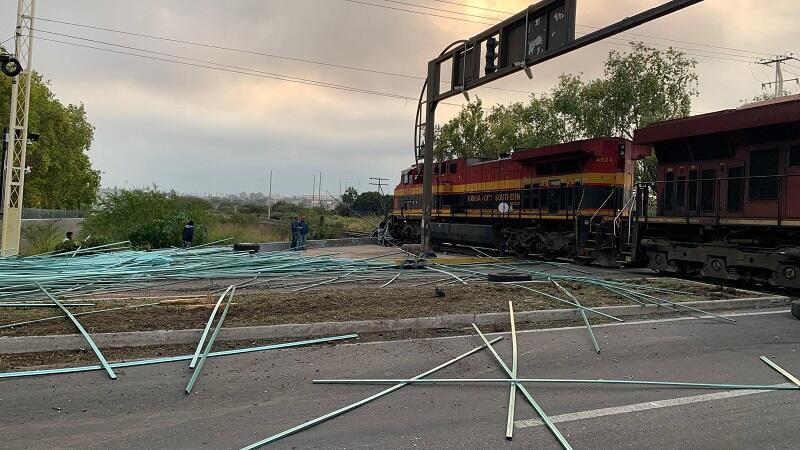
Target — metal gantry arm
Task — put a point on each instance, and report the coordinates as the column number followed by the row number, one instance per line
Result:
column 17, row 138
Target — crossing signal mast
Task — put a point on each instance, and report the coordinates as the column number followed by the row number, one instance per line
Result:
column 16, row 140
column 542, row 32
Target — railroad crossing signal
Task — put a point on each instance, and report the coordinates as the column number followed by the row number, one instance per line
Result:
column 491, row 55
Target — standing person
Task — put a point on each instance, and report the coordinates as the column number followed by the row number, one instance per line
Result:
column 188, row 234
column 303, row 231
column 295, row 233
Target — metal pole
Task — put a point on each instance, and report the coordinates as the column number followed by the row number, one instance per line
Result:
column 269, row 199
column 319, row 190
column 430, row 136
column 18, row 131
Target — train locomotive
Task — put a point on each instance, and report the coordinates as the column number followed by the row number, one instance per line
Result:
column 722, row 205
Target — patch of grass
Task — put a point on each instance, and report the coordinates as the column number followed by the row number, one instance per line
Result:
column 42, row 238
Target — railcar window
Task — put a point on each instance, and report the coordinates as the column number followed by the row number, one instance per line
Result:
column 735, row 188
column 680, row 193
column 764, row 163
column 669, row 191
column 794, row 155
column 443, row 169
column 707, row 190
column 692, row 190
column 568, row 166
column 453, row 168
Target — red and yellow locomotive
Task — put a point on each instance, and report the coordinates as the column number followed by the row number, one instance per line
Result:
column 532, row 201
column 723, row 204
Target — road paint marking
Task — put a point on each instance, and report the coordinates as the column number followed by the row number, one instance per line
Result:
column 636, row 407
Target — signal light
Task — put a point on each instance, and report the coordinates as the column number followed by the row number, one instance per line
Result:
column 621, row 150
column 491, row 55
column 10, row 66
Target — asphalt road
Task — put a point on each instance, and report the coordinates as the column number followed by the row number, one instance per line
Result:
column 240, row 400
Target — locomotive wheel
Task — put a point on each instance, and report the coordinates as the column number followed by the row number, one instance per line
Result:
column 520, row 251
column 582, row 260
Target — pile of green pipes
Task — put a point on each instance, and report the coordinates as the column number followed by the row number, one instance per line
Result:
column 68, row 275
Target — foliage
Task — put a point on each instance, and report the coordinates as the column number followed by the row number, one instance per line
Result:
column 61, row 172
column 369, row 203
column 41, row 237
column 148, row 218
column 639, row 88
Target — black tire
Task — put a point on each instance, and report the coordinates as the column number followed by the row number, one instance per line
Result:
column 10, row 66
column 246, row 248
column 796, row 309
column 500, row 277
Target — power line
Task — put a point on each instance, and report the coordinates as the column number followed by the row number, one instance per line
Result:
column 487, row 23
column 584, row 26
column 597, row 28
column 243, row 71
column 418, row 12
column 237, row 50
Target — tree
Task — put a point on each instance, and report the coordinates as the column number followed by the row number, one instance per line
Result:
column 346, row 202
column 465, row 135
column 373, row 203
column 147, row 217
column 639, row 88
column 61, row 172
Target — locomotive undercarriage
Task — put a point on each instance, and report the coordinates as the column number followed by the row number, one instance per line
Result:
column 577, row 240
column 770, row 256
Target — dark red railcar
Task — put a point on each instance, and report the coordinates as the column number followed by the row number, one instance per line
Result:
column 728, row 194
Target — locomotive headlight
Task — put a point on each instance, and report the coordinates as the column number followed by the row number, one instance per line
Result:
column 621, row 150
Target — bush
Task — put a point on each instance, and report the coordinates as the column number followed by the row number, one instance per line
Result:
column 43, row 238
column 148, row 218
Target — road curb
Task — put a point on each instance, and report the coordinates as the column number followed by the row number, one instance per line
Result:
column 29, row 344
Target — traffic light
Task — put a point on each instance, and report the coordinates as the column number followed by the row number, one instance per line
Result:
column 10, row 66
column 491, row 55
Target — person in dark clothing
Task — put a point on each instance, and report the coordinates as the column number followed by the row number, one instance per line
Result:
column 188, row 234
column 302, row 232
column 295, row 233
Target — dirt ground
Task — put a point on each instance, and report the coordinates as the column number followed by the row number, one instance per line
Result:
column 333, row 304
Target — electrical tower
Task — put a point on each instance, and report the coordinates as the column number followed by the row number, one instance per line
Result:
column 17, row 137
column 779, row 80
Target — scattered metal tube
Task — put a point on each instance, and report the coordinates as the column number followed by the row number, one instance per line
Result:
column 340, row 411
column 513, row 390
column 211, row 340
column 542, row 415
column 781, row 371
column 208, row 327
column 677, row 384
column 147, row 362
column 583, row 314
column 83, row 332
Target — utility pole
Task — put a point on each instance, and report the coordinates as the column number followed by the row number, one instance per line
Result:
column 14, row 174
column 269, row 199
column 779, row 80
column 378, row 181
column 319, row 193
column 313, row 190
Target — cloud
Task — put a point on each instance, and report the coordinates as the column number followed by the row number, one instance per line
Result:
column 200, row 130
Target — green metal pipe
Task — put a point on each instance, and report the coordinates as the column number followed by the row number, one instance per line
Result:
column 169, row 359
column 583, row 314
column 211, row 340
column 679, row 384
column 340, row 411
column 83, row 332
column 208, row 327
column 542, row 415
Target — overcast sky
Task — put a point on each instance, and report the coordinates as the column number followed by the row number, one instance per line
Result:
column 207, row 131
